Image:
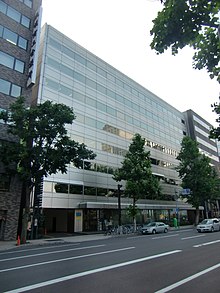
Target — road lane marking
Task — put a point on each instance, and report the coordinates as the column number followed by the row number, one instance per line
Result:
column 86, row 273
column 64, row 259
column 175, row 285
column 51, row 252
column 190, row 237
column 207, row 243
column 167, row 236
column 39, row 248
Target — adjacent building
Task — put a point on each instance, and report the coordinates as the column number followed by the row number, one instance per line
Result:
column 19, row 34
column 199, row 129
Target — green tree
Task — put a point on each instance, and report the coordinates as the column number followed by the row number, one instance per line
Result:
column 197, row 174
column 190, row 22
column 136, row 171
column 215, row 131
column 40, row 147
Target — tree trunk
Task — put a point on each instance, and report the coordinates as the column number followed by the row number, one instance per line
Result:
column 134, row 215
column 197, row 216
column 24, row 213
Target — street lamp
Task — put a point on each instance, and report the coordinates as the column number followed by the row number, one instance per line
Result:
column 119, row 206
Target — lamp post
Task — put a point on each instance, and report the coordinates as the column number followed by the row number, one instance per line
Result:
column 119, row 206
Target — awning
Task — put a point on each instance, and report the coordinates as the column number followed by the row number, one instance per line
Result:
column 114, row 205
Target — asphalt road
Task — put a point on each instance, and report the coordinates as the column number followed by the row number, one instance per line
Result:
column 179, row 261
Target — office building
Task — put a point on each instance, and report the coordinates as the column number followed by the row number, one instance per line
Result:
column 110, row 108
column 19, row 41
column 199, row 130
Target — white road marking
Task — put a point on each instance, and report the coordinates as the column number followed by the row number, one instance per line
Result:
column 74, row 276
column 175, row 285
column 167, row 236
column 51, row 252
column 185, row 238
column 64, row 259
column 39, row 248
column 207, row 243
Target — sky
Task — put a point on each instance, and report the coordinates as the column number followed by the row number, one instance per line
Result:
column 118, row 31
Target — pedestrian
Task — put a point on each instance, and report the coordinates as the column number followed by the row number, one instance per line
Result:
column 175, row 224
column 29, row 230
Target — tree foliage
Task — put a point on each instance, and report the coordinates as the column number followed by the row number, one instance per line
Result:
column 197, row 174
column 42, row 146
column 190, row 22
column 39, row 146
column 215, row 131
column 136, row 171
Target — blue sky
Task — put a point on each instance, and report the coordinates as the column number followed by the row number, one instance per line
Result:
column 118, row 31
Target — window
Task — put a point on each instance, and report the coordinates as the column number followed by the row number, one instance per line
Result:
column 90, row 83
column 4, row 86
column 55, row 44
column 65, row 90
column 101, row 88
column 22, row 43
column 80, row 59
column 76, row 189
column 6, row 60
column 25, row 21
column 91, row 65
column 52, row 84
column 27, row 2
column 14, row 14
column 3, row 7
column 78, row 76
column 15, row 90
column 11, row 62
column 19, row 66
column 13, row 38
column 101, row 71
column 61, row 188
column 9, row 88
column 1, row 31
column 88, row 190
column 10, row 36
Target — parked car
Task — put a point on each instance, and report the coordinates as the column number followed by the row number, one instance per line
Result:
column 209, row 225
column 155, row 227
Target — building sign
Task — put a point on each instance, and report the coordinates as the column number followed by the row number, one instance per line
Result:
column 78, row 221
column 32, row 70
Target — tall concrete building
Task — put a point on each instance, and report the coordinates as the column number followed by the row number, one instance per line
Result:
column 19, row 41
column 110, row 108
column 199, row 130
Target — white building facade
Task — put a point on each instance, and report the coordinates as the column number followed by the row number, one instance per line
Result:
column 110, row 108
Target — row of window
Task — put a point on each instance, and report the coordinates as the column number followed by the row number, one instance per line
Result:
column 27, row 2
column 9, row 88
column 128, row 135
column 11, row 62
column 13, row 38
column 79, row 189
column 14, row 14
column 103, row 107
column 105, row 74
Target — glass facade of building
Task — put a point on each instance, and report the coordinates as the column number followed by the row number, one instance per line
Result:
column 110, row 108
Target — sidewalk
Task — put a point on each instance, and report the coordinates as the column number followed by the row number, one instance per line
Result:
column 5, row 245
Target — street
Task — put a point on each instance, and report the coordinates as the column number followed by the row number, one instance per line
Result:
column 179, row 261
